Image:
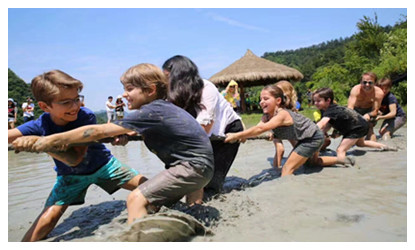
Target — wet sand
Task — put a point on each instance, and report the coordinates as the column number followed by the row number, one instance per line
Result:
column 332, row 204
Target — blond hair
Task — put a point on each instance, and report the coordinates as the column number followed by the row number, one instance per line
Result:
column 289, row 93
column 46, row 87
column 144, row 75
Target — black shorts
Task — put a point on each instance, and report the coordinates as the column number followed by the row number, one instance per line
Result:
column 358, row 133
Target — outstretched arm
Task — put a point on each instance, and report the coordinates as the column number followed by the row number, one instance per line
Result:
column 276, row 121
column 71, row 157
column 80, row 135
column 324, row 124
column 391, row 114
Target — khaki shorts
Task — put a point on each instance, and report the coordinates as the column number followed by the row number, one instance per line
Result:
column 172, row 184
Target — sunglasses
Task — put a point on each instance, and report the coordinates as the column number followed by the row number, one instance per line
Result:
column 367, row 82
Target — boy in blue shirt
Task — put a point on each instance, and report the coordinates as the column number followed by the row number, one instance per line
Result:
column 77, row 168
column 168, row 131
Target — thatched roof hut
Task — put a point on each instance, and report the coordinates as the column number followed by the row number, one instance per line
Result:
column 251, row 70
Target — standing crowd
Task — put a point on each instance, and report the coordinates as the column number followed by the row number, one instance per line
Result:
column 177, row 113
column 28, row 108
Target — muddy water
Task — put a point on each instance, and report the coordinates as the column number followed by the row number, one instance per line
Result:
column 335, row 204
column 31, row 177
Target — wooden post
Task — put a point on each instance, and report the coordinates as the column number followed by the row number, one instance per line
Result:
column 242, row 95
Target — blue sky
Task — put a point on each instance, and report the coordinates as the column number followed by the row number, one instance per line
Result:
column 97, row 45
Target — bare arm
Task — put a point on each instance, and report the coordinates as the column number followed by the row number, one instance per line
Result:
column 281, row 119
column 378, row 101
column 13, row 134
column 351, row 102
column 109, row 105
column 324, row 124
column 82, row 134
column 71, row 157
column 207, row 127
column 391, row 114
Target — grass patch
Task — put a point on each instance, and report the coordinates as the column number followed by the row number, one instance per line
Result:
column 252, row 119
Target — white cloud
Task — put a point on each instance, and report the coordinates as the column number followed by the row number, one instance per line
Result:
column 235, row 23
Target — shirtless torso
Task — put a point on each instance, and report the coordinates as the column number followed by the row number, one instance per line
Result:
column 367, row 97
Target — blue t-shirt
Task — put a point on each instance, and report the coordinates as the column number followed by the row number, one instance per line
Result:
column 391, row 99
column 97, row 154
column 171, row 133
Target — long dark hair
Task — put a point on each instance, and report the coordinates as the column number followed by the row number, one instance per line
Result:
column 185, row 84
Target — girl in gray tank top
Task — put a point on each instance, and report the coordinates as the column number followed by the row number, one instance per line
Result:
column 286, row 125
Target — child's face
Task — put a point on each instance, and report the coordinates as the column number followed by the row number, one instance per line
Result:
column 269, row 103
column 320, row 103
column 385, row 89
column 65, row 106
column 135, row 96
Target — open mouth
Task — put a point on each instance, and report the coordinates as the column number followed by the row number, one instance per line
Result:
column 72, row 113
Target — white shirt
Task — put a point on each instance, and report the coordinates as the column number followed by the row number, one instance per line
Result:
column 28, row 113
column 217, row 110
column 108, row 104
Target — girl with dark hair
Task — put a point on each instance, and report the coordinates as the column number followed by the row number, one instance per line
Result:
column 185, row 84
column 285, row 124
column 202, row 99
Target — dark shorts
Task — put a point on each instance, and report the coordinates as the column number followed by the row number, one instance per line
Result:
column 364, row 111
column 307, row 147
column 172, row 184
column 71, row 189
column 358, row 133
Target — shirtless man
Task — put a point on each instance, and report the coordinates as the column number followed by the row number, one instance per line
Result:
column 366, row 98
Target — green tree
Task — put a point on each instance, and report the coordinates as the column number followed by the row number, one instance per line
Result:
column 19, row 91
column 335, row 77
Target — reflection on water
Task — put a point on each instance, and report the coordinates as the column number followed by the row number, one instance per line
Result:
column 31, row 177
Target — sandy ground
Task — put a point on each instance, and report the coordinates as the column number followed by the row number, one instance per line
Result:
column 332, row 204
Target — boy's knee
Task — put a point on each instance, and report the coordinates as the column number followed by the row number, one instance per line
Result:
column 136, row 197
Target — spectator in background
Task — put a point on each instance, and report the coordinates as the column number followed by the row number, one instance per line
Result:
column 119, row 108
column 231, row 94
column 12, row 109
column 28, row 110
column 110, row 109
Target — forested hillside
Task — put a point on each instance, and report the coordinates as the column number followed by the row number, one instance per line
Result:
column 340, row 63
